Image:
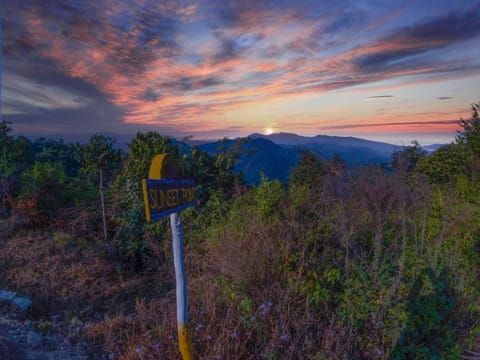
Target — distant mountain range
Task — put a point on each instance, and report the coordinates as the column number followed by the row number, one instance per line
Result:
column 432, row 148
column 259, row 156
column 276, row 154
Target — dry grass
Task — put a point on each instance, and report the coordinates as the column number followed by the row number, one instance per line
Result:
column 73, row 278
column 260, row 287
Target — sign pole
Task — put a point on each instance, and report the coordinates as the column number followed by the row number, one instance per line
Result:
column 165, row 192
column 184, row 342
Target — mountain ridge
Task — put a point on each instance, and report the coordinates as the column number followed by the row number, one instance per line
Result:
column 275, row 155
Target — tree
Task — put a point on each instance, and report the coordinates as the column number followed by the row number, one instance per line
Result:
column 470, row 136
column 5, row 143
column 430, row 330
column 142, row 149
column 130, row 238
column 445, row 163
column 407, row 158
column 308, row 171
column 15, row 157
column 57, row 150
column 44, row 182
column 99, row 155
column 5, row 139
column 15, row 153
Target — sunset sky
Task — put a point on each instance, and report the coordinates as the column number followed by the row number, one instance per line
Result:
column 392, row 71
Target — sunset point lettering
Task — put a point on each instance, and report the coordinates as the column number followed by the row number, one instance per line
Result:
column 165, row 191
column 166, row 196
column 161, row 199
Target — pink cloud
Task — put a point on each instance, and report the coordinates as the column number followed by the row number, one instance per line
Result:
column 188, row 94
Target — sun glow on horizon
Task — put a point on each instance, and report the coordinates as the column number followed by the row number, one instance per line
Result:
column 269, row 131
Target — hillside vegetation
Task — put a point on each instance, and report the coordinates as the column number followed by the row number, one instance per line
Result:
column 371, row 263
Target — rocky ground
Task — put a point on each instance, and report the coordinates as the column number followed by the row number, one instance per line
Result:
column 24, row 339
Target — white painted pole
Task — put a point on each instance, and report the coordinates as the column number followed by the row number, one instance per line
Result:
column 184, row 342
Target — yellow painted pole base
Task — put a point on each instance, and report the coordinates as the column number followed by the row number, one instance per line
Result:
column 185, row 344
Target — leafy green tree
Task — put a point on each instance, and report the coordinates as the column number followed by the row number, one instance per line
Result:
column 99, row 155
column 5, row 164
column 407, row 158
column 15, row 153
column 470, row 136
column 132, row 230
column 213, row 174
column 430, row 330
column 15, row 157
column 44, row 181
column 308, row 171
column 58, row 150
column 198, row 166
column 5, row 140
column 144, row 147
column 445, row 163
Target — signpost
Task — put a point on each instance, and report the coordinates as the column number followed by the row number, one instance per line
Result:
column 166, row 193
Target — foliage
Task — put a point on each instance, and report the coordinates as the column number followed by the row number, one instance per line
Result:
column 336, row 264
column 212, row 174
column 99, row 156
column 15, row 157
column 45, row 181
column 142, row 149
column 459, row 158
column 6, row 143
column 430, row 328
column 57, row 150
column 445, row 163
column 130, row 240
column 470, row 136
column 408, row 158
column 268, row 198
column 308, row 170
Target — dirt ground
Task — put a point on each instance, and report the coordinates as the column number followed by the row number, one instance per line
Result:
column 23, row 339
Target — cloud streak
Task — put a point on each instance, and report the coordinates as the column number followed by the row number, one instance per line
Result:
column 394, row 124
column 22, row 95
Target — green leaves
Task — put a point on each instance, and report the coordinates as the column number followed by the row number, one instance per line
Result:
column 430, row 330
column 445, row 164
column 45, row 180
column 268, row 198
column 459, row 158
column 99, row 154
column 143, row 148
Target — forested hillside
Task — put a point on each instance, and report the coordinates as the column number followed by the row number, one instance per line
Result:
column 370, row 263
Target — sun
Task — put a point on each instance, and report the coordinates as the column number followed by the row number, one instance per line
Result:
column 269, row 131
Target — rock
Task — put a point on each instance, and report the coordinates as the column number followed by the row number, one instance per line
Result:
column 7, row 295
column 17, row 333
column 8, row 350
column 40, row 355
column 76, row 322
column 34, row 339
column 22, row 303
column 55, row 318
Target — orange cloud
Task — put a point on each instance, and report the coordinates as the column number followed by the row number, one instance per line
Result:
column 261, row 55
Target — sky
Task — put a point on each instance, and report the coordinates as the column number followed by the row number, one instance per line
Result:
column 392, row 71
